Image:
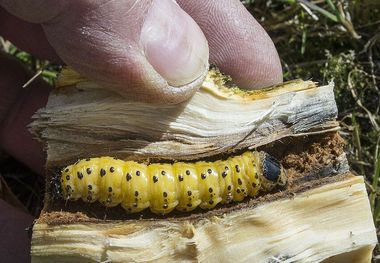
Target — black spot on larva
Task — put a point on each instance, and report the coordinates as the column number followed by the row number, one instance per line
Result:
column 165, row 206
column 226, row 168
column 237, row 168
column 80, row 175
column 209, row 171
column 243, row 190
column 114, row 158
column 211, row 202
column 128, row 176
column 189, row 205
column 88, row 170
column 187, row 172
column 180, row 178
column 102, row 172
column 112, row 169
column 129, row 209
column 238, row 191
column 210, row 190
column 189, row 193
column 155, row 179
column 89, row 198
column 87, row 159
column 239, row 181
column 110, row 189
column 136, row 199
column 165, row 200
column 62, row 181
column 68, row 187
column 203, row 176
column 138, row 173
column 89, row 187
column 254, row 185
column 256, row 176
column 224, row 174
column 165, row 194
column 163, row 173
column 229, row 188
column 136, row 193
column 135, row 205
column 67, row 177
column 66, row 170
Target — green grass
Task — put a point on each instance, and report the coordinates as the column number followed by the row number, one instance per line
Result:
column 40, row 67
column 322, row 40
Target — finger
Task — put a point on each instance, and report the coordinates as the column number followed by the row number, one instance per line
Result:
column 239, row 46
column 17, row 105
column 138, row 48
column 26, row 36
column 150, row 50
column 14, row 241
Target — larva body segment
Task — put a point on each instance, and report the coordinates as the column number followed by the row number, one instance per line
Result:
column 223, row 169
column 251, row 172
column 208, row 180
column 237, row 170
column 188, row 186
column 109, row 182
column 135, row 187
column 163, row 187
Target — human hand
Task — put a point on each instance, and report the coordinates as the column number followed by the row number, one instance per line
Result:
column 150, row 50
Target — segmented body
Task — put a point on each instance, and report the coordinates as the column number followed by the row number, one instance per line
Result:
column 163, row 187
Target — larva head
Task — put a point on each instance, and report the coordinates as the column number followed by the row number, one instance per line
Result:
column 273, row 174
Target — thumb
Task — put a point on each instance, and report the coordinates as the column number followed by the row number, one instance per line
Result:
column 146, row 50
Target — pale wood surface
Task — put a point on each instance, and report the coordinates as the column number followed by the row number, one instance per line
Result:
column 84, row 121
column 334, row 219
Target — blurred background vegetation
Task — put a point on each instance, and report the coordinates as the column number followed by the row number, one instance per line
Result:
column 321, row 40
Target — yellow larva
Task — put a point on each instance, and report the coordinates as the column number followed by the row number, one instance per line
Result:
column 163, row 187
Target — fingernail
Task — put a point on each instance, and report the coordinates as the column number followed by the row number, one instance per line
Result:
column 173, row 43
